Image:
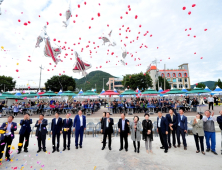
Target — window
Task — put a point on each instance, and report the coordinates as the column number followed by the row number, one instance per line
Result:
column 185, row 74
column 174, row 74
column 175, row 86
column 186, row 86
column 162, row 74
column 179, row 79
column 174, row 80
column 185, row 79
column 179, row 75
column 168, row 74
column 168, row 79
column 117, row 83
column 180, row 86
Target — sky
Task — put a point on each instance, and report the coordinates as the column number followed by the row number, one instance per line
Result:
column 165, row 20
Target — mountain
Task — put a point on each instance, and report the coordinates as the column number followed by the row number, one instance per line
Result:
column 94, row 79
column 209, row 84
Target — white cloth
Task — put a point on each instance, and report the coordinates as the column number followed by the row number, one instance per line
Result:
column 159, row 122
column 56, row 121
column 211, row 118
column 210, row 99
column 107, row 123
column 81, row 121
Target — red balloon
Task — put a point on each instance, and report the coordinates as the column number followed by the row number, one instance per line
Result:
column 25, row 24
column 126, row 12
column 184, row 8
column 19, row 20
column 47, row 23
column 107, row 25
column 78, row 6
column 85, row 3
column 98, row 14
column 122, row 25
column 92, row 18
column 17, row 70
column 58, row 41
column 151, row 35
column 76, row 15
column 201, row 57
column 189, row 12
column 129, row 9
column 189, row 28
column 54, row 39
column 89, row 27
column 205, row 29
column 193, row 5
column 140, row 25
column 185, row 29
column 74, row 21
column 121, row 17
column 136, row 16
column 195, row 53
column 60, row 14
column 29, row 22
column 188, row 35
column 39, row 15
column 194, row 36
column 60, row 74
column 128, row 6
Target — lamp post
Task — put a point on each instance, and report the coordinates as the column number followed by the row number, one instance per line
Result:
column 103, row 82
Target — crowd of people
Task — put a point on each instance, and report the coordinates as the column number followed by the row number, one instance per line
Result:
column 174, row 123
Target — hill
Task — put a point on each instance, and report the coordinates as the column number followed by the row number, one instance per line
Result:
column 94, row 78
column 209, row 84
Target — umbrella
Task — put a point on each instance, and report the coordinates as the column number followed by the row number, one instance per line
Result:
column 18, row 94
column 89, row 93
column 29, row 94
column 48, row 93
column 67, row 93
column 15, row 97
column 184, row 90
column 198, row 90
column 163, row 92
column 110, row 93
column 175, row 91
column 102, row 91
column 129, row 92
column 150, row 91
column 6, row 94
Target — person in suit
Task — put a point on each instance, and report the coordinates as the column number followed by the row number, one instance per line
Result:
column 172, row 120
column 147, row 132
column 24, row 132
column 181, row 127
column 67, row 125
column 198, row 133
column 162, row 129
column 56, row 130
column 101, row 121
column 124, row 131
column 107, row 129
column 219, row 120
column 135, row 128
column 41, row 132
column 8, row 128
column 79, row 125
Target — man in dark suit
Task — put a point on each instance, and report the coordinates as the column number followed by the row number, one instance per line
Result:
column 56, row 130
column 162, row 129
column 67, row 125
column 24, row 133
column 6, row 139
column 41, row 132
column 124, row 131
column 79, row 125
column 172, row 120
column 107, row 129
column 181, row 127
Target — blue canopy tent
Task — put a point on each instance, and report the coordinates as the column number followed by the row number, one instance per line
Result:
column 60, row 92
column 102, row 91
column 184, row 90
column 18, row 94
column 218, row 90
column 160, row 90
column 80, row 92
column 115, row 91
column 206, row 88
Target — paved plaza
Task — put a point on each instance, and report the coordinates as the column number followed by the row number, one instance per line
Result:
column 91, row 157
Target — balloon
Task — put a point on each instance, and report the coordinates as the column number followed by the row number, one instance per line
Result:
column 19, row 20
column 193, row 5
column 190, row 28
column 189, row 12
column 76, row 15
column 17, row 70
column 25, row 24
column 47, row 23
column 126, row 12
column 185, row 29
column 85, row 3
column 54, row 39
column 98, row 14
column 60, row 14
column 201, row 57
column 78, row 6
column 121, row 17
column 17, row 64
column 188, row 35
column 194, row 36
column 194, row 52
column 92, row 18
column 140, row 25
column 205, row 29
column 184, row 8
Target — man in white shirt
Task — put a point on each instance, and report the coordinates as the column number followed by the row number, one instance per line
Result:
column 210, row 101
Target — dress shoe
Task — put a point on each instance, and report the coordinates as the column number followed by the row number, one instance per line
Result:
column 44, row 150
column 162, row 147
column 215, row 153
column 185, row 148
column 26, row 150
column 110, row 148
column 68, row 148
column 53, row 150
column 138, row 150
column 120, row 149
column 169, row 147
column 126, row 150
column 135, row 150
column 174, row 146
column 178, row 146
column 103, row 148
column 19, row 152
column 165, row 151
column 76, row 147
column 57, row 150
column 38, row 151
column 80, row 146
column 64, row 149
column 208, row 150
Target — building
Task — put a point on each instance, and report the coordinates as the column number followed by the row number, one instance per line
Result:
column 178, row 78
column 115, row 83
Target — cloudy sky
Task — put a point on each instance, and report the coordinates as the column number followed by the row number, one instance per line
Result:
column 165, row 20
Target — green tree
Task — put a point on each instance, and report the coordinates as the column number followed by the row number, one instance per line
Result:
column 161, row 83
column 60, row 82
column 218, row 83
column 6, row 83
column 140, row 80
column 201, row 85
column 70, row 88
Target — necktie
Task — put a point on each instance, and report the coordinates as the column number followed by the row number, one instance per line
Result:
column 66, row 121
